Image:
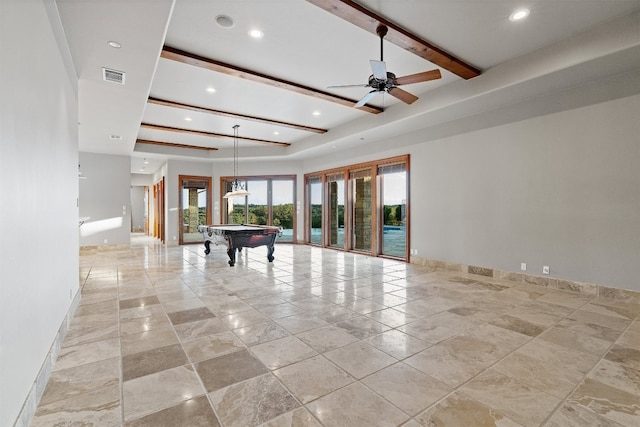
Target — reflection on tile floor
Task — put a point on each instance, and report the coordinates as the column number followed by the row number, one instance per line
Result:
column 171, row 337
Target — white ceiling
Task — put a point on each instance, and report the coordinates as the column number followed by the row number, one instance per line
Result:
column 561, row 45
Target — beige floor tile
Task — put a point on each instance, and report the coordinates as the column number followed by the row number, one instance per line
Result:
column 152, row 361
column 609, row 402
column 99, row 408
column 86, row 378
column 326, row 338
column 627, row 356
column 397, row 344
column 630, row 339
column 145, row 395
column 81, row 354
column 297, row 418
column 426, row 330
column 576, row 341
column 360, row 359
column 282, row 352
column 194, row 412
column 407, row 388
column 617, row 323
column 355, row 405
column 212, row 346
column 460, row 410
column 510, row 397
column 569, row 415
column 252, row 402
column 261, row 333
column 618, row 375
column 313, row 378
column 200, row 328
column 144, row 324
column 154, row 338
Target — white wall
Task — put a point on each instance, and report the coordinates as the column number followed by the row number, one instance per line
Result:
column 38, row 197
column 561, row 190
column 138, row 206
column 105, row 198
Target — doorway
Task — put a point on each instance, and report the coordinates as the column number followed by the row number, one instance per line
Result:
column 195, row 207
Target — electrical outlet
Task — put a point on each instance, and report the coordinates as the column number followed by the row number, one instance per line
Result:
column 545, row 269
column 523, row 266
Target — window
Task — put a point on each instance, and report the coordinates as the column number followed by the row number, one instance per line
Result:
column 271, row 202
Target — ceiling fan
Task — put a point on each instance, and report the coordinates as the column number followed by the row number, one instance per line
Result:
column 383, row 81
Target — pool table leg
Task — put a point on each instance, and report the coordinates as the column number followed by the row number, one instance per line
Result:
column 232, row 256
column 207, row 249
column 270, row 250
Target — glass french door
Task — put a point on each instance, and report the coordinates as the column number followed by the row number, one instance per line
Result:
column 314, row 206
column 392, row 183
column 361, row 208
column 195, row 207
column 336, row 212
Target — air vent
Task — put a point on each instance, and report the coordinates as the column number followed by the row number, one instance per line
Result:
column 114, row 76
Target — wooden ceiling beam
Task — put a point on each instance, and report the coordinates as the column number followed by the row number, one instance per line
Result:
column 210, row 134
column 172, row 104
column 369, row 21
column 173, row 144
column 221, row 67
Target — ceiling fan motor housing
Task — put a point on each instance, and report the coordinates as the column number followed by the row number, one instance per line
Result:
column 380, row 84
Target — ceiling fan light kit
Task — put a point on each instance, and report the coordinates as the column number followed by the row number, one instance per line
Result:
column 384, row 81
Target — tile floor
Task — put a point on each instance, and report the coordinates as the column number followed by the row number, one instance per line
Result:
column 170, row 337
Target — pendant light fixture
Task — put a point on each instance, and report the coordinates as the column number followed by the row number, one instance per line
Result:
column 237, row 189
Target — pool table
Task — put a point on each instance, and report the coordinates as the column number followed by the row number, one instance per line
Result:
column 240, row 236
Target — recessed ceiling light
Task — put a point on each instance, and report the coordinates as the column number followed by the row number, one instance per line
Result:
column 146, row 162
column 224, row 21
column 114, row 44
column 316, row 113
column 256, row 34
column 188, row 119
column 211, row 89
column 519, row 15
column 276, row 132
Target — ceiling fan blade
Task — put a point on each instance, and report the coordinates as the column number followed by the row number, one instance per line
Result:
column 341, row 86
column 379, row 69
column 366, row 99
column 419, row 77
column 403, row 95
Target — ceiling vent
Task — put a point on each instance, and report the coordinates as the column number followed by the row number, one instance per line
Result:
column 115, row 76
